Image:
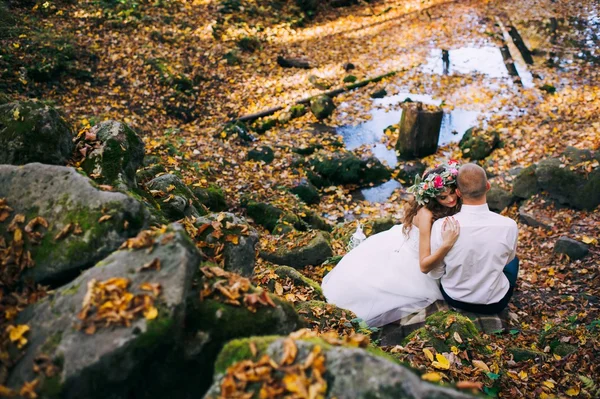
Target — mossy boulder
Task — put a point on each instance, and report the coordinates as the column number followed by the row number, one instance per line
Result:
column 236, row 130
column 477, row 144
column 126, row 359
column 270, row 216
column 84, row 223
column 261, row 154
column 323, row 315
column 439, row 332
column 567, row 185
column 348, row 371
column 34, row 132
column 572, row 248
column 149, row 172
column 322, row 106
column 211, row 197
column 347, row 168
column 380, row 93
column 176, row 200
column 350, row 79
column 235, row 235
column 117, row 155
column 298, row 110
column 344, row 231
column 525, row 184
column 300, row 250
column 306, row 192
column 499, row 199
column 561, row 339
column 298, row 279
column 314, row 220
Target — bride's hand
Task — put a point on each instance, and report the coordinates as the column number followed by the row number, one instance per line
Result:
column 450, row 231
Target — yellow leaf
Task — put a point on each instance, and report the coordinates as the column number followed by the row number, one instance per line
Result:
column 544, row 395
column 432, row 377
column 278, row 288
column 16, row 332
column 548, row 384
column 151, row 313
column 557, row 357
column 455, row 350
column 523, row 375
column 589, row 240
column 16, row 114
column 573, row 391
column 428, row 353
column 441, row 363
column 481, row 365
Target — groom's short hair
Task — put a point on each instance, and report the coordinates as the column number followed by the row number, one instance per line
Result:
column 472, row 181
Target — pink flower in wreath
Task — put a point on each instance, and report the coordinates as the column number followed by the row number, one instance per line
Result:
column 454, row 171
column 425, row 187
column 452, row 162
column 438, row 182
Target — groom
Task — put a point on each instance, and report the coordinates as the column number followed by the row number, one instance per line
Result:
column 480, row 271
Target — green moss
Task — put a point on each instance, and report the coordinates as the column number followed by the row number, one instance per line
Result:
column 71, row 290
column 51, row 343
column 157, row 330
column 52, row 387
column 239, row 349
column 523, row 354
column 350, row 79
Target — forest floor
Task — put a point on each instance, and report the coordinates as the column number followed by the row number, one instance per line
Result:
column 139, row 55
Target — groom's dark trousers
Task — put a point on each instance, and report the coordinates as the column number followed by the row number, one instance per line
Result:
column 511, row 270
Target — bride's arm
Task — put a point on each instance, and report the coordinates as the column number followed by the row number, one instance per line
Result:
column 450, row 231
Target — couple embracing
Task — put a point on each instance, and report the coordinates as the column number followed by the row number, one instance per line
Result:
column 449, row 247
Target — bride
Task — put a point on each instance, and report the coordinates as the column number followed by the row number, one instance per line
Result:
column 384, row 279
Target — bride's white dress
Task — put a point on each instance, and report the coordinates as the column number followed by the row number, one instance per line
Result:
column 380, row 280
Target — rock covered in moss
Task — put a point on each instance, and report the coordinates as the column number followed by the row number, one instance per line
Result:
column 120, row 358
column 306, row 192
column 149, row 172
column 407, row 171
column 175, row 198
column 236, row 130
column 477, row 144
column 319, row 82
column 33, row 132
column 211, row 197
column 237, row 237
column 525, row 184
column 567, row 185
column 499, row 199
column 524, row 354
column 262, row 153
column 270, row 216
column 322, row 106
column 84, row 223
column 440, row 329
column 314, row 220
column 117, row 155
column 347, row 168
column 300, row 250
column 348, row 372
column 560, row 339
column 572, row 248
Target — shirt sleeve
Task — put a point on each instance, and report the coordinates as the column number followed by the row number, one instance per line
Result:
column 436, row 243
column 514, row 240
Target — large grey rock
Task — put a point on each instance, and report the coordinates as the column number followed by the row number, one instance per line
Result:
column 568, row 186
column 499, row 199
column 296, row 254
column 349, row 372
column 33, row 132
column 65, row 198
column 573, row 248
column 237, row 237
column 176, row 200
column 118, row 361
column 306, row 192
column 117, row 155
column 525, row 184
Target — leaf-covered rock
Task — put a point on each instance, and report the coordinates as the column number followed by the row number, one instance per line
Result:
column 84, row 224
column 525, row 184
column 573, row 248
column 322, row 106
column 347, row 168
column 125, row 351
column 306, row 192
column 499, row 199
column 175, row 198
column 262, row 153
column 34, row 132
column 477, row 144
column 117, row 154
column 299, row 251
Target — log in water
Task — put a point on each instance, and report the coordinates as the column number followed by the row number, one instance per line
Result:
column 419, row 130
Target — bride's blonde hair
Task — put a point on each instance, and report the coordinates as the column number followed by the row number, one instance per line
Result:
column 438, row 210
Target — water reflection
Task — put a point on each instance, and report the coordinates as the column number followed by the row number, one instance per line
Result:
column 485, row 60
column 377, row 194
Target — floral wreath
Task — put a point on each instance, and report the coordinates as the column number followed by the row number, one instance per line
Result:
column 435, row 183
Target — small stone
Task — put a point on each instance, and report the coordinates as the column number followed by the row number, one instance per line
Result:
column 573, row 248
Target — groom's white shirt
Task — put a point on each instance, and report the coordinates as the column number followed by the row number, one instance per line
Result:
column 472, row 271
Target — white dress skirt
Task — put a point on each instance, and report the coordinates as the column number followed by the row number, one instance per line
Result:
column 380, row 280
